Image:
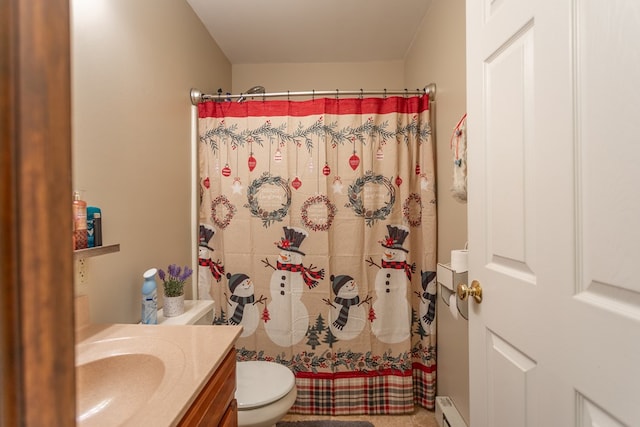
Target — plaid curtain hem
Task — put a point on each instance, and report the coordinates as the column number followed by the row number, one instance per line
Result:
column 389, row 392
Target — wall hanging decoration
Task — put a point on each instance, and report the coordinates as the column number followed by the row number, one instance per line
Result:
column 458, row 145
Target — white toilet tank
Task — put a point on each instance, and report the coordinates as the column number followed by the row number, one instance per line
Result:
column 196, row 312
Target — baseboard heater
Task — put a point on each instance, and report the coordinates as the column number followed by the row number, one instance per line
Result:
column 446, row 413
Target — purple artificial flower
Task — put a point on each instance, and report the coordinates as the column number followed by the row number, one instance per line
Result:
column 174, row 279
column 185, row 274
column 174, row 270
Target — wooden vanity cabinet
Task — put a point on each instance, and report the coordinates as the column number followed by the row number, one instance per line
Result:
column 216, row 404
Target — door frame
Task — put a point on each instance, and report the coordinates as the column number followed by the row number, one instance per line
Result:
column 37, row 360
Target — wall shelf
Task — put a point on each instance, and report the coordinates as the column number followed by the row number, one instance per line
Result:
column 98, row 250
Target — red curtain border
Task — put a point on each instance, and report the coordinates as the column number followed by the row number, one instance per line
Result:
column 271, row 108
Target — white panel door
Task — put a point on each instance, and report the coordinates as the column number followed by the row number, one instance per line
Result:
column 554, row 212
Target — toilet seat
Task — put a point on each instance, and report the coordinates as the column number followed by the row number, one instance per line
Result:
column 260, row 383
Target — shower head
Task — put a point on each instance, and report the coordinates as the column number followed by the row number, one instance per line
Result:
column 251, row 91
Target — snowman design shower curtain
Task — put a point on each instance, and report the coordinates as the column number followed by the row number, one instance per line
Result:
column 318, row 236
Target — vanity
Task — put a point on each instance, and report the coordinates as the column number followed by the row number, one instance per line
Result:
column 216, row 403
column 168, row 375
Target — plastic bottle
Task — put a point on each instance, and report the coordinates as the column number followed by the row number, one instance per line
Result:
column 79, row 221
column 149, row 298
column 97, row 227
column 94, row 227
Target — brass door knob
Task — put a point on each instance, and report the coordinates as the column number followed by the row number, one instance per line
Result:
column 474, row 291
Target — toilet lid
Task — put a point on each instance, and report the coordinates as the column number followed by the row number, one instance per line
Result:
column 260, row 383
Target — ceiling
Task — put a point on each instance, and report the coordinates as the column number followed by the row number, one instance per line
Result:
column 285, row 31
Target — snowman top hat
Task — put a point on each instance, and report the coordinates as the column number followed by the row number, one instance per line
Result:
column 396, row 237
column 292, row 239
column 337, row 282
column 235, row 280
column 427, row 277
column 206, row 234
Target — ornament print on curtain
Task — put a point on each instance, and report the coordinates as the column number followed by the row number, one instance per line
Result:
column 318, row 236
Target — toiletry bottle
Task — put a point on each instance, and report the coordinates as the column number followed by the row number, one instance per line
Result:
column 79, row 221
column 94, row 227
column 149, row 298
column 97, row 228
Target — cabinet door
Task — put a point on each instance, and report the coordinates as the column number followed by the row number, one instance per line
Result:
column 230, row 418
column 216, row 402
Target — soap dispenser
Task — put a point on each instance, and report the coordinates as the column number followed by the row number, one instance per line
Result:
column 79, row 221
column 149, row 298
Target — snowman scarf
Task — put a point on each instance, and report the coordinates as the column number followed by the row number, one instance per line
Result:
column 343, row 316
column 307, row 274
column 239, row 311
column 431, row 311
column 216, row 269
column 399, row 265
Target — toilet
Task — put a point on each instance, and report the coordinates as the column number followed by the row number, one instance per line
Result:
column 265, row 392
column 258, row 405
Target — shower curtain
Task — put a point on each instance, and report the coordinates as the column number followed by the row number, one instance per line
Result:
column 318, row 236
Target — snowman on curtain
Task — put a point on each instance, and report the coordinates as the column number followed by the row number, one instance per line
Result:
column 242, row 303
column 287, row 318
column 391, row 315
column 207, row 268
column 347, row 315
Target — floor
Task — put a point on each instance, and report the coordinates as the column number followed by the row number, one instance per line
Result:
column 419, row 418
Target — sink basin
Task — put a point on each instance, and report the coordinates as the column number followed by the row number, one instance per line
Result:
column 116, row 379
column 116, row 387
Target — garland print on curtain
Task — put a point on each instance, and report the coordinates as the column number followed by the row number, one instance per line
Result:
column 318, row 236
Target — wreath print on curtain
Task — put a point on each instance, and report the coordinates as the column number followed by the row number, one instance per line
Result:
column 314, row 274
column 253, row 201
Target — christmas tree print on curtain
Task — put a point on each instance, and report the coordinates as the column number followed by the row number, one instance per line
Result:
column 362, row 208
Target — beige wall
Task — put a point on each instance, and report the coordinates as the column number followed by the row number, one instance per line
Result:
column 321, row 76
column 133, row 65
column 438, row 54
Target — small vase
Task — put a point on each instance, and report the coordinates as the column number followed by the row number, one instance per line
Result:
column 173, row 306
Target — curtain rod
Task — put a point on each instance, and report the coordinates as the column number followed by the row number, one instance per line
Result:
column 430, row 89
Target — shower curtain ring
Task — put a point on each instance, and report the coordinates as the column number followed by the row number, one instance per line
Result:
column 288, row 98
column 361, row 93
column 337, row 92
column 406, row 92
column 313, row 94
column 385, row 93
